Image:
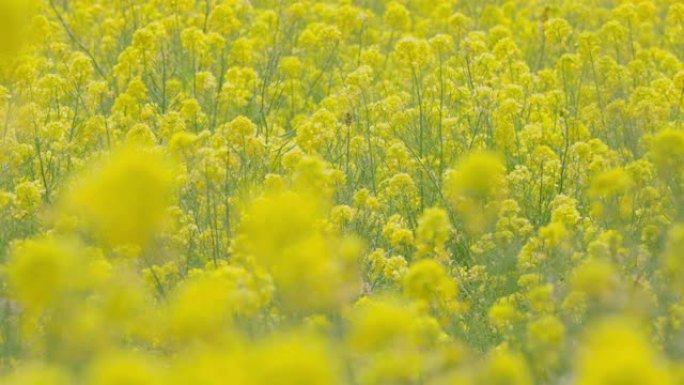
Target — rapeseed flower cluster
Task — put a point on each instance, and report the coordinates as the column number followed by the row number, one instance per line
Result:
column 341, row 192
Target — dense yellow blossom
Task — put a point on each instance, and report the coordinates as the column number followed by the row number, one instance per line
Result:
column 422, row 192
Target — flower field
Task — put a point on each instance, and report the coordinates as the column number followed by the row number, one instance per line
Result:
column 352, row 192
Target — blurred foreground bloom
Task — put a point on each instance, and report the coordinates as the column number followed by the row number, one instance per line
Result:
column 123, row 198
column 477, row 181
column 615, row 351
column 312, row 270
column 43, row 271
column 15, row 20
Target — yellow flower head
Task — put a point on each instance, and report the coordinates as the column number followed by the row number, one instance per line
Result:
column 42, row 271
column 426, row 280
column 616, row 351
column 283, row 231
column 433, row 227
column 478, row 175
column 124, row 198
column 667, row 150
column 611, row 183
column 507, row 367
